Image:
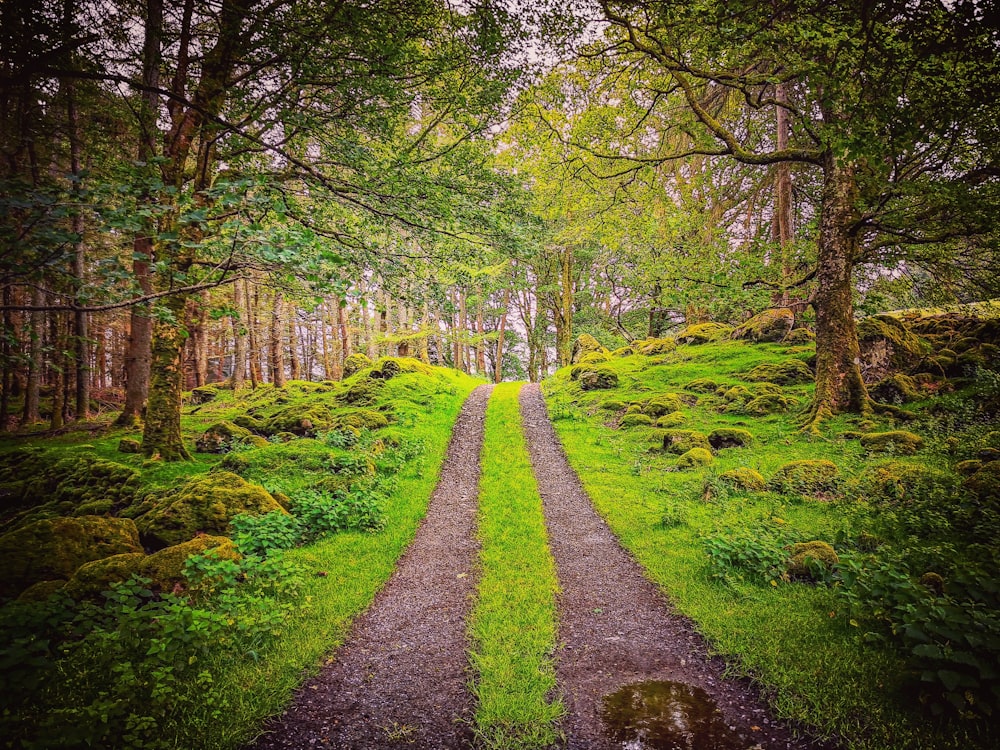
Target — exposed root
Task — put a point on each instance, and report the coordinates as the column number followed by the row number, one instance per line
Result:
column 893, row 411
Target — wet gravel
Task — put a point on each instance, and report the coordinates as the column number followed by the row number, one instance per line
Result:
column 615, row 626
column 400, row 679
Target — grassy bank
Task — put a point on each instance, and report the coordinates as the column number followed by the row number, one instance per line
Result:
column 513, row 625
column 718, row 550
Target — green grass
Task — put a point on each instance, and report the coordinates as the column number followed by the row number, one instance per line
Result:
column 794, row 639
column 513, row 623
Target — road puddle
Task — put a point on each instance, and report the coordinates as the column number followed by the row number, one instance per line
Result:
column 662, row 715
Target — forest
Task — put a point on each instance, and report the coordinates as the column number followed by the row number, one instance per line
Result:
column 262, row 261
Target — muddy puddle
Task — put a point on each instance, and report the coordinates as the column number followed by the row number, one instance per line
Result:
column 664, row 715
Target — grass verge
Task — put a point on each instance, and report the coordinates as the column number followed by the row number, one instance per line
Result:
column 513, row 625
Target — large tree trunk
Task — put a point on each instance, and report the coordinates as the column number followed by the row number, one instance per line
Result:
column 782, row 231
column 276, row 343
column 35, row 360
column 239, row 339
column 498, row 373
column 564, row 314
column 5, row 354
column 162, row 434
column 839, row 386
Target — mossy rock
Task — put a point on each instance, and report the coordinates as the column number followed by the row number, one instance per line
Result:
column 703, row 333
column 695, row 458
column 594, row 358
column 799, row 336
column 897, row 388
column 204, row 394
column 355, row 363
column 636, row 420
column 969, row 467
column 985, row 483
column 221, row 437
column 302, row 419
column 622, row 351
column 761, row 406
column 729, row 437
column 702, row 385
column 681, row 441
column 787, row 372
column 612, row 404
column 737, row 394
column 96, row 576
column 901, row 482
column 806, row 476
column 39, row 592
column 359, row 419
column 888, row 345
column 74, row 480
column 586, row 345
column 54, row 548
column 94, row 508
column 652, row 347
column 674, row 419
column 744, row 478
column 248, row 423
column 898, row 441
column 598, row 379
column 804, row 557
column 203, row 504
column 166, row 567
column 770, row 325
column 361, row 392
column 129, row 445
column 389, row 367
column 664, row 403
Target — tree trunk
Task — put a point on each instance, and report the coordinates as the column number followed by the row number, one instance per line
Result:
column 345, row 336
column 293, row 348
column 839, row 386
column 35, row 361
column 782, row 223
column 6, row 336
column 564, row 315
column 59, row 379
column 253, row 354
column 498, row 373
column 81, row 319
column 239, row 339
column 276, row 345
column 162, row 433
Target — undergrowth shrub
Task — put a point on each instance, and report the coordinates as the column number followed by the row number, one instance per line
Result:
column 949, row 634
column 122, row 673
column 751, row 553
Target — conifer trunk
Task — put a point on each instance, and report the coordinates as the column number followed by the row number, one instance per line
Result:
column 162, row 433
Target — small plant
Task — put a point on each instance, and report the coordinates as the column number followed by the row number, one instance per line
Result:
column 672, row 516
column 264, row 534
column 756, row 553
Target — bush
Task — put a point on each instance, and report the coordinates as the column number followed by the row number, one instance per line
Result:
column 756, row 554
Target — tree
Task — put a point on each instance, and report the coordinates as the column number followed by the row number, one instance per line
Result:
column 884, row 99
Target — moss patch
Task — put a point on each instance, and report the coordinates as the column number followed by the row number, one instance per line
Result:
column 221, row 437
column 729, row 437
column 744, row 478
column 695, row 458
column 770, row 325
column 897, row 388
column 681, row 441
column 806, row 556
column 166, row 567
column 665, row 403
column 636, row 420
column 787, row 372
column 703, row 333
column 587, row 348
column 355, row 363
column 898, row 441
column 652, row 347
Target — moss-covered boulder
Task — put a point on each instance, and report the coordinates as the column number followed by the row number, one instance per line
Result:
column 54, row 548
column 129, row 445
column 636, row 420
column 622, row 351
column 598, row 379
column 744, row 478
column 205, row 504
column 770, row 325
column 39, row 592
column 652, row 347
column 897, row 388
column 799, row 337
column 806, row 476
column 681, row 441
column 221, row 437
column 729, row 437
column 804, row 559
column 695, row 458
column 702, row 385
column 664, row 403
column 301, row 419
column 96, row 576
column 737, row 394
column 166, row 567
column 903, row 482
column 361, row 392
column 786, row 372
column 760, row 406
column 612, row 404
column 888, row 345
column 67, row 481
column 204, row 394
column 389, row 367
column 674, row 419
column 895, row 441
column 355, row 363
column 359, row 419
column 968, row 467
column 703, row 333
column 985, row 483
column 586, row 344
